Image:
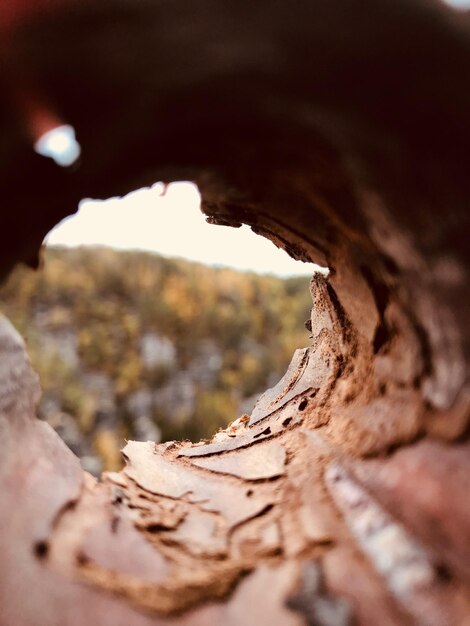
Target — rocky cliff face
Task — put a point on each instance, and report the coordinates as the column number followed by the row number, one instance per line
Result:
column 136, row 346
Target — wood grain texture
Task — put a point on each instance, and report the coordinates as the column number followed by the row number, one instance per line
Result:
column 340, row 131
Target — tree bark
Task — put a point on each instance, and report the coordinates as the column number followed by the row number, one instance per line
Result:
column 340, row 131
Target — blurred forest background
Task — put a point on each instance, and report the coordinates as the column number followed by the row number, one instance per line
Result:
column 131, row 345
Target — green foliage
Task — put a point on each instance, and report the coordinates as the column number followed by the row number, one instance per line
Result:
column 109, row 300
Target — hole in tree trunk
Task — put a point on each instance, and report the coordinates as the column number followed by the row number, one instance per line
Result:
column 130, row 344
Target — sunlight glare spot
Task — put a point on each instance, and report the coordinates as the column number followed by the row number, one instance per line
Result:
column 171, row 224
column 458, row 4
column 60, row 145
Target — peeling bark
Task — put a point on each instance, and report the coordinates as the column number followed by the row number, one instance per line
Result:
column 343, row 497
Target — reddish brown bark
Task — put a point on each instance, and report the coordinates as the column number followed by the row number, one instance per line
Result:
column 341, row 133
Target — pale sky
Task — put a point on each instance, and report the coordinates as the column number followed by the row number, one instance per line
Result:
column 464, row 4
column 172, row 225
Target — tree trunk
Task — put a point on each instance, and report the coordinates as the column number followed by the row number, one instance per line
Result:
column 340, row 131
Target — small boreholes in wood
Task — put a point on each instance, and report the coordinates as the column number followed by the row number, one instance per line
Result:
column 267, row 508
column 416, row 382
column 114, row 524
column 249, row 493
column 303, row 404
column 443, row 572
column 157, row 528
column 287, row 421
column 41, row 549
column 266, row 431
column 117, row 496
column 82, row 559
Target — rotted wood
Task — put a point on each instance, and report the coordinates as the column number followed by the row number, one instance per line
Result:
column 343, row 497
